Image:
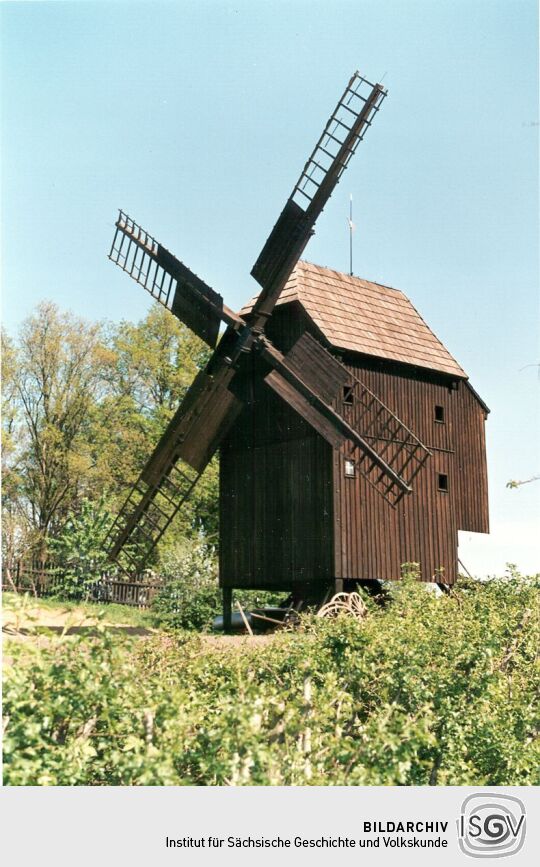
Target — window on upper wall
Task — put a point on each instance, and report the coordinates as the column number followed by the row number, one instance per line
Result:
column 347, row 395
column 439, row 414
column 443, row 482
column 350, row 468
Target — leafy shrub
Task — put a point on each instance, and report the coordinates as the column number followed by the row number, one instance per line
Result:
column 428, row 690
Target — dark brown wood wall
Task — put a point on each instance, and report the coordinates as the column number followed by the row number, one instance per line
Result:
column 276, row 514
column 276, row 496
column 471, row 463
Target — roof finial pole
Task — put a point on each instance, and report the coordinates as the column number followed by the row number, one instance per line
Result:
column 351, row 227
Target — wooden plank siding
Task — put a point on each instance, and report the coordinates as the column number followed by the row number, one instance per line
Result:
column 290, row 516
column 373, row 540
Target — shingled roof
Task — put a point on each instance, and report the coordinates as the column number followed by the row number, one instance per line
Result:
column 361, row 316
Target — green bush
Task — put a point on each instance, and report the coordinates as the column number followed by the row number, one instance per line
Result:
column 190, row 598
column 427, row 690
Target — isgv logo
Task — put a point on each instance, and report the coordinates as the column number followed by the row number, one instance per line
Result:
column 491, row 825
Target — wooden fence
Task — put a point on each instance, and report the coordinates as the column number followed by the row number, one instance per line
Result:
column 41, row 578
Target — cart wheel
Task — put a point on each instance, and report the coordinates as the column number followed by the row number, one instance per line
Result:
column 344, row 603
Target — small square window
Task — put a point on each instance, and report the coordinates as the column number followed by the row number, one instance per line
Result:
column 347, row 395
column 443, row 482
column 350, row 469
column 439, row 413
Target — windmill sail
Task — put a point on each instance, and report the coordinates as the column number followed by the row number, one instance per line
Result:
column 179, row 459
column 168, row 280
column 344, row 130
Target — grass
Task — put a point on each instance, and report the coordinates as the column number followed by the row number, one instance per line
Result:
column 58, row 612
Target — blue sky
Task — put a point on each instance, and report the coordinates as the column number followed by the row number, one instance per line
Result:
column 197, row 117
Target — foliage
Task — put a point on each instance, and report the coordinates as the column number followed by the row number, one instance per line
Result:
column 79, row 552
column 427, row 690
column 55, row 376
column 84, row 405
column 202, row 509
column 155, row 363
column 513, row 483
column 15, row 528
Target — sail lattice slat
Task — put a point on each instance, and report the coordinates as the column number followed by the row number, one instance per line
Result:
column 167, row 279
column 329, row 147
column 342, row 133
column 135, row 251
column 146, row 514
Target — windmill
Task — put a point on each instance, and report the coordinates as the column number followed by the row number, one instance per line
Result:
column 308, row 377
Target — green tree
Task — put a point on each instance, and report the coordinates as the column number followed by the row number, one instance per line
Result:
column 57, row 375
column 156, row 362
column 16, row 530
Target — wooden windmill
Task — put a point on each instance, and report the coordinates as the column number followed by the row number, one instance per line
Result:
column 290, row 417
